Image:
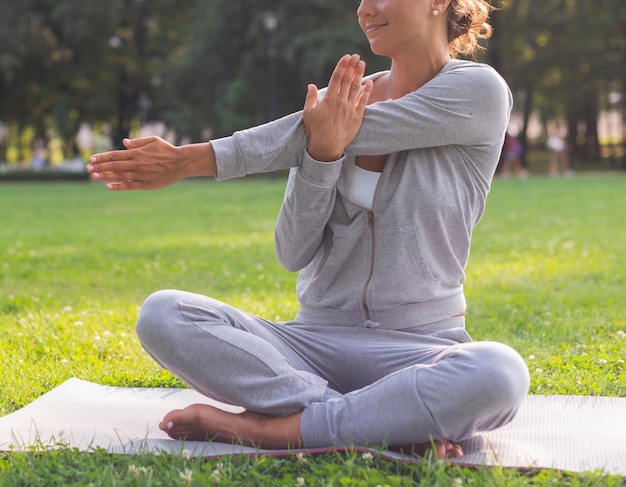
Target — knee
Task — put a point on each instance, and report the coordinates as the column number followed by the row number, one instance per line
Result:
column 491, row 384
column 505, row 375
column 487, row 383
column 155, row 315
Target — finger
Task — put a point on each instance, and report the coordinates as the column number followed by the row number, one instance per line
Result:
column 109, row 171
column 348, row 75
column 114, row 156
column 357, row 80
column 311, row 98
column 124, row 186
column 334, row 85
column 364, row 96
column 116, row 176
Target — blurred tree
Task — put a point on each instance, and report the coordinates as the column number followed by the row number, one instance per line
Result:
column 521, row 38
column 67, row 61
column 616, row 43
column 47, row 57
column 212, row 66
column 218, row 79
column 559, row 57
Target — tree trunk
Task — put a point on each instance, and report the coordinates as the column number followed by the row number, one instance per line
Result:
column 592, row 144
column 572, row 135
column 528, row 108
column 126, row 108
column 623, row 129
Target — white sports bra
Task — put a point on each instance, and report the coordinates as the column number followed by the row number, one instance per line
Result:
column 362, row 186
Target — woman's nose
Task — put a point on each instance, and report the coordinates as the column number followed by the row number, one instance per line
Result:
column 364, row 8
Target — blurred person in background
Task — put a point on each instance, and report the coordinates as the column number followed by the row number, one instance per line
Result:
column 513, row 151
column 559, row 156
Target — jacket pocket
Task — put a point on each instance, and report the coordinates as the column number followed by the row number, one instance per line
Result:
column 402, row 274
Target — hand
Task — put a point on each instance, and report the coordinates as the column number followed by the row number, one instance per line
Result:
column 332, row 123
column 150, row 163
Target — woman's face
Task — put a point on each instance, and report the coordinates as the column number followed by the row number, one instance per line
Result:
column 394, row 26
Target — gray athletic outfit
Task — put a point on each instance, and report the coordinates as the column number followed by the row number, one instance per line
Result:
column 375, row 354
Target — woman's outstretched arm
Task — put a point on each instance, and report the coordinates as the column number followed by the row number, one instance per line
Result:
column 151, row 163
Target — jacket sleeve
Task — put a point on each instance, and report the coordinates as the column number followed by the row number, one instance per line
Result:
column 469, row 104
column 266, row 148
column 307, row 206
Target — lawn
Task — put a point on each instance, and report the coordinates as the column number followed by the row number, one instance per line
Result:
column 547, row 276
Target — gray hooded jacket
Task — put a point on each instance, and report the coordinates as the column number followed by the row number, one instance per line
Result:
column 402, row 264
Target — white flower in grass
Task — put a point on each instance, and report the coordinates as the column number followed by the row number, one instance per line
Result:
column 367, row 457
column 539, row 371
column 300, row 482
column 186, row 476
column 186, row 454
column 78, row 323
column 457, row 482
column 602, row 361
column 300, row 458
column 67, row 308
column 216, row 474
column 621, row 334
column 531, row 357
column 620, row 361
column 137, row 471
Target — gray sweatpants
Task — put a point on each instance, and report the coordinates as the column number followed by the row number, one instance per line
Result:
column 354, row 385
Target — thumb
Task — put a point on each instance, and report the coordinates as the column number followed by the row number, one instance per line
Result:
column 311, row 98
column 140, row 142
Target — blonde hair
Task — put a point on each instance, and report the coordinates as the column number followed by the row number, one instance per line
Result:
column 467, row 24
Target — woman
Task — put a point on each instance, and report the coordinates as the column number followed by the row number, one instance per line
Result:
column 388, row 177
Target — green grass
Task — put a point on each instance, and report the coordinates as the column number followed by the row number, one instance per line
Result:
column 547, row 276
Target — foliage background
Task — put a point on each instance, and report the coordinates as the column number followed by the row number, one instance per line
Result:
column 203, row 66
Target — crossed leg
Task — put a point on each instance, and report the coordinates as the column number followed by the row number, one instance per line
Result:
column 210, row 346
column 202, row 422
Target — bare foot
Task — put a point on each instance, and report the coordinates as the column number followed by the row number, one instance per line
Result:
column 441, row 449
column 202, row 422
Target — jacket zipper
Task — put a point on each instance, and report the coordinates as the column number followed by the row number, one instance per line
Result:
column 370, row 222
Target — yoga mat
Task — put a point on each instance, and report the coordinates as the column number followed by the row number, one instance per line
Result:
column 572, row 433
